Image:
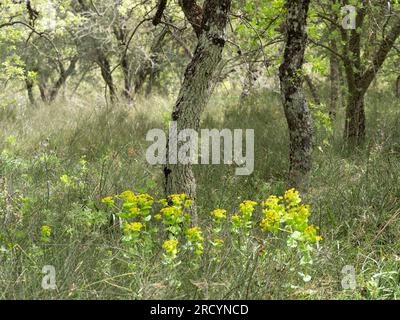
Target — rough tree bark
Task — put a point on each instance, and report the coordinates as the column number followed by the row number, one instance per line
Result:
column 334, row 78
column 196, row 90
column 252, row 75
column 121, row 34
column 295, row 105
column 104, row 64
column 194, row 14
column 29, row 89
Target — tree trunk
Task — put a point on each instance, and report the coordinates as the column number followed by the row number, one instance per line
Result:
column 334, row 82
column 29, row 89
column 194, row 14
column 250, row 80
column 196, row 90
column 43, row 92
column 127, row 77
column 64, row 74
column 295, row 105
column 355, row 118
column 105, row 68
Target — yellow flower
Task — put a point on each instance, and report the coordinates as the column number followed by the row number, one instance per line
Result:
column 144, row 200
column 133, row 227
column 128, row 196
column 219, row 214
column 178, row 199
column 170, row 247
column 311, row 234
column 194, row 234
column 247, row 206
column 272, row 202
column 187, row 203
column 134, row 211
column 157, row 216
column 171, row 213
column 45, row 233
column 218, row 242
column 108, row 200
column 271, row 220
column 292, row 197
column 236, row 221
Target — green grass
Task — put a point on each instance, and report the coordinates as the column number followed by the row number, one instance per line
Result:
column 355, row 199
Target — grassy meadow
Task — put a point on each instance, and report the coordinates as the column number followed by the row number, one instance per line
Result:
column 59, row 161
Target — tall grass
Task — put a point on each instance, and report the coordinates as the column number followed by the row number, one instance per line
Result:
column 355, row 199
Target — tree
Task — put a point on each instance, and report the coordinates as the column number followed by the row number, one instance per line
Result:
column 378, row 23
column 359, row 73
column 197, row 87
column 295, row 105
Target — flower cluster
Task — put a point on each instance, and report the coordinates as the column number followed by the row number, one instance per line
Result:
column 218, row 215
column 195, row 240
column 109, row 201
column 45, row 234
column 244, row 219
column 171, row 248
column 284, row 215
column 131, row 231
column 288, row 214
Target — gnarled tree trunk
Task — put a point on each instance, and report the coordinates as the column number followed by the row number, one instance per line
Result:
column 295, row 105
column 105, row 68
column 334, row 78
column 196, row 90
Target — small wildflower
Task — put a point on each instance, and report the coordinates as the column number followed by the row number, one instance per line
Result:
column 273, row 202
column 236, row 221
column 247, row 206
column 128, row 196
column 133, row 227
column 45, row 233
column 218, row 242
column 219, row 214
column 292, row 197
column 170, row 247
column 310, row 234
column 108, row 200
column 194, row 234
column 271, row 220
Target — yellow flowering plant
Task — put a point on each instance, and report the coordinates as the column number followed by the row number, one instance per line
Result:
column 45, row 233
column 170, row 250
column 195, row 240
column 255, row 225
column 290, row 217
column 174, row 213
column 131, row 231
